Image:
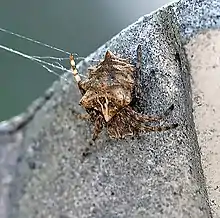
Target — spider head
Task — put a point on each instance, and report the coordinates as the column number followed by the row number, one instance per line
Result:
column 107, row 107
column 108, row 103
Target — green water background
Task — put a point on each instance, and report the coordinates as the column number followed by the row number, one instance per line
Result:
column 74, row 26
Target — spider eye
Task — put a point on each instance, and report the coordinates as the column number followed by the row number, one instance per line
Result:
column 102, row 100
column 110, row 104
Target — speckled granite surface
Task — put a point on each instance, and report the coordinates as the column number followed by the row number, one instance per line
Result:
column 153, row 175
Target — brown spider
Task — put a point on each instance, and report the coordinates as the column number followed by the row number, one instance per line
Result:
column 107, row 94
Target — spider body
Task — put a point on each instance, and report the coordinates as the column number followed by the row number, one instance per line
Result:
column 107, row 94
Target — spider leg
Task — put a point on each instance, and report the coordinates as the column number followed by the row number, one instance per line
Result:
column 98, row 127
column 169, row 110
column 76, row 74
column 139, row 58
column 137, row 91
column 149, row 118
column 158, row 128
column 78, row 115
column 83, row 116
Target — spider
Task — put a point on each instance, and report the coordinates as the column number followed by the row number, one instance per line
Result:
column 107, row 96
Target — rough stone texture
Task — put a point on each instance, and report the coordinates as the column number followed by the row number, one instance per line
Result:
column 153, row 175
column 203, row 52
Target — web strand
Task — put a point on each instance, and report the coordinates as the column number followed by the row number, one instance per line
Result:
column 39, row 59
column 44, row 64
column 35, row 41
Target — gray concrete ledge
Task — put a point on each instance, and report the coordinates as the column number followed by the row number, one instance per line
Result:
column 43, row 169
column 205, row 68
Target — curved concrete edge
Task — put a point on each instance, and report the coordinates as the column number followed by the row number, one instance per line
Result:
column 205, row 68
column 161, row 171
column 195, row 16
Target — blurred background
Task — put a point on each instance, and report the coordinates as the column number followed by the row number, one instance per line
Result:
column 74, row 26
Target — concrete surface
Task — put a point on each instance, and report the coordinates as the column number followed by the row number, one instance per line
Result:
column 203, row 52
column 153, row 175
